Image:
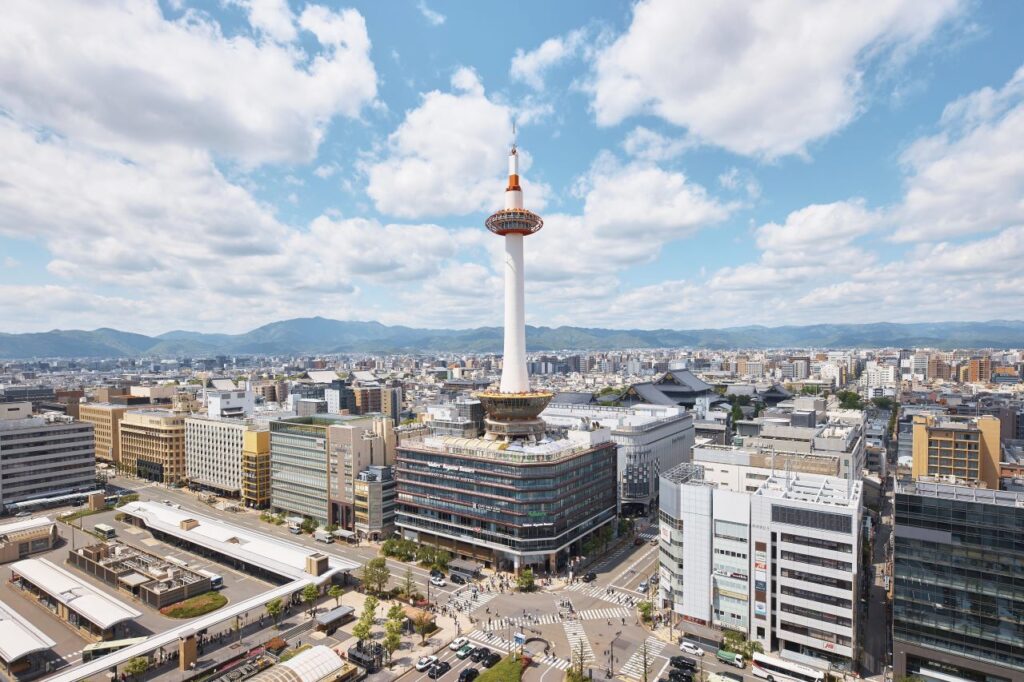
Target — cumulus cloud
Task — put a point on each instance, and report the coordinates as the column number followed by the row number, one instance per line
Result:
column 120, row 75
column 757, row 78
column 272, row 18
column 530, row 67
column 433, row 18
column 448, row 155
column 648, row 145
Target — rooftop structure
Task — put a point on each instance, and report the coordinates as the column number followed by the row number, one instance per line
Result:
column 89, row 603
column 312, row 665
column 813, row 489
column 152, row 579
column 18, row 637
column 278, row 557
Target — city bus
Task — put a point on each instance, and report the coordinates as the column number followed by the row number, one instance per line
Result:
column 98, row 649
column 780, row 670
column 104, row 531
column 216, row 581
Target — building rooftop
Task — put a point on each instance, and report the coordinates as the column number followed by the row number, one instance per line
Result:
column 314, row 664
column 686, row 472
column 102, row 610
column 829, row 490
column 269, row 553
column 518, row 452
column 18, row 637
column 22, row 525
column 965, row 493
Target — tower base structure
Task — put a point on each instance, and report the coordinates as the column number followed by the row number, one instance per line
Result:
column 514, row 416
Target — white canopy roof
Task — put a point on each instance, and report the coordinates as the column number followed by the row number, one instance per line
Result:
column 90, row 603
column 18, row 637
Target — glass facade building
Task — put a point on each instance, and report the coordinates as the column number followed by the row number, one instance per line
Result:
column 300, row 466
column 958, row 607
column 508, row 507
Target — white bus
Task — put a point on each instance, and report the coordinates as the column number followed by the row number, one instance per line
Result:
column 780, row 670
column 216, row 581
column 104, row 531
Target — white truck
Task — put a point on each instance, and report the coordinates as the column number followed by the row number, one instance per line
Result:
column 324, row 536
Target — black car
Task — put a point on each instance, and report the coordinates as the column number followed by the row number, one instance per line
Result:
column 683, row 662
column 679, row 675
column 491, row 660
column 457, row 579
column 439, row 669
column 468, row 674
column 590, row 577
column 479, row 654
column 434, row 573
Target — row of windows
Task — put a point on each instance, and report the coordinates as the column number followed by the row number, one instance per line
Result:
column 816, row 615
column 814, row 633
column 817, row 561
column 816, row 579
column 815, row 596
column 830, row 545
column 810, row 518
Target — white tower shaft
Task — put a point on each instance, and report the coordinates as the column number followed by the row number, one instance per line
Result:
column 514, row 378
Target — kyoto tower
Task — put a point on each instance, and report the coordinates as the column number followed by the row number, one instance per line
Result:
column 513, row 411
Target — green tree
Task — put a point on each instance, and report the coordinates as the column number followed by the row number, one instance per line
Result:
column 646, row 610
column 376, row 575
column 274, row 610
column 408, row 585
column 850, row 400
column 626, row 526
column 424, row 625
column 361, row 630
column 393, row 630
column 370, row 607
column 137, row 666
column 336, row 591
column 525, row 580
column 737, row 413
column 396, row 612
column 309, row 595
column 882, row 402
column 309, row 525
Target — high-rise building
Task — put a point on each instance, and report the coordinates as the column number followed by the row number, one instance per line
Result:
column 391, row 402
column 106, row 421
column 256, row 468
column 979, row 370
column 958, row 598
column 966, row 448
column 375, row 495
column 214, row 451
column 153, row 445
column 779, row 564
column 517, row 496
column 43, row 457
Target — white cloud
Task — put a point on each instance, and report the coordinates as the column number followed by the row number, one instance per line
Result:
column 121, row 76
column 757, row 78
column 433, row 18
column 273, row 18
column 529, row 67
column 448, row 156
column 819, row 226
column 11, row 262
column 969, row 177
column 648, row 145
column 325, row 170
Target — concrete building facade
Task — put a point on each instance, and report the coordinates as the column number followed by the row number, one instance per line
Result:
column 153, row 445
column 964, row 448
column 106, row 421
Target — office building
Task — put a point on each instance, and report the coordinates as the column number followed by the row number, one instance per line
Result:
column 964, row 448
column 979, row 370
column 153, row 445
column 778, row 563
column 256, row 467
column 106, row 421
column 375, row 500
column 234, row 403
column 517, row 496
column 958, row 596
column 214, row 450
column 355, row 445
column 391, row 402
column 651, row 439
column 43, row 457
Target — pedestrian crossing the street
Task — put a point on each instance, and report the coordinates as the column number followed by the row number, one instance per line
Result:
column 616, row 613
column 464, row 601
column 634, row 667
column 578, row 639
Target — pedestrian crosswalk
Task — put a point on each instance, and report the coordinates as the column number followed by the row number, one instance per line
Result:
column 615, row 613
column 493, row 623
column 648, row 533
column 578, row 642
column 463, row 600
column 596, row 591
column 634, row 667
column 499, row 644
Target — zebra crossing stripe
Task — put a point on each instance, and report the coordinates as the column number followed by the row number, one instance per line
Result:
column 577, row 636
column 634, row 666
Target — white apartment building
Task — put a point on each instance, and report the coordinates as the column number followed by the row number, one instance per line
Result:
column 651, row 439
column 44, row 456
column 778, row 564
column 235, row 403
column 213, row 452
column 876, row 376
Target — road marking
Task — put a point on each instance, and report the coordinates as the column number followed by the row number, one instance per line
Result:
column 578, row 637
column 634, row 667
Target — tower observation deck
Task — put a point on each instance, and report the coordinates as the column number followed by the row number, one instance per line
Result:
column 513, row 410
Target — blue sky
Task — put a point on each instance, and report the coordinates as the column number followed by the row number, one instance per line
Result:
column 219, row 165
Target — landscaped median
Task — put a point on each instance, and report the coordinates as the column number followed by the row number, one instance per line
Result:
column 195, row 606
column 509, row 669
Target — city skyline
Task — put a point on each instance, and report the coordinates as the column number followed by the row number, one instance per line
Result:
column 353, row 181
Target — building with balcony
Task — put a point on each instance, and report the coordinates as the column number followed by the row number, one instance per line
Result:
column 375, row 500
column 961, row 448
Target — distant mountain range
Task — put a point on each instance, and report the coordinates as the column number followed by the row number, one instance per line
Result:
column 320, row 335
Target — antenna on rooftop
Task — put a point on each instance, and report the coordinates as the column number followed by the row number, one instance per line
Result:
column 514, row 136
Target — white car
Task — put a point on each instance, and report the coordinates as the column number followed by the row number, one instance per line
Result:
column 425, row 663
column 691, row 649
column 437, row 582
column 458, row 643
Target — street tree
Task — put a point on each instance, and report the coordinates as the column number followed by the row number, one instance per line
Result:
column 274, row 610
column 336, row 591
column 309, row 595
column 525, row 580
column 424, row 625
column 137, row 666
column 376, row 575
column 646, row 610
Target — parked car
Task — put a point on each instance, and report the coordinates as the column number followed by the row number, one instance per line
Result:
column 468, row 674
column 491, row 660
column 439, row 669
column 464, row 652
column 479, row 654
column 690, row 648
column 679, row 675
column 638, row 541
column 435, row 573
column 425, row 662
column 590, row 577
column 683, row 662
column 458, row 643
column 438, row 582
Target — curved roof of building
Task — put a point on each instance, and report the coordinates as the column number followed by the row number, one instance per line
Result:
column 311, row 665
column 90, row 603
column 18, row 637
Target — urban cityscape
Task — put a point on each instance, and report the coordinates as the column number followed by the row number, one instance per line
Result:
column 689, row 349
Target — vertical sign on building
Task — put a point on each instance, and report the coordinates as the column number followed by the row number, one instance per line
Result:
column 760, row 580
